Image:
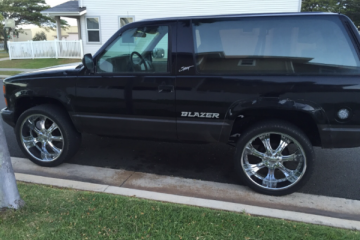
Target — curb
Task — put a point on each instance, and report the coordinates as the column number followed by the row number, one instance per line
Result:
column 334, row 207
column 199, row 202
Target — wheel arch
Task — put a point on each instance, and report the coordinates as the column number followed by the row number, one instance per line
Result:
column 24, row 103
column 306, row 116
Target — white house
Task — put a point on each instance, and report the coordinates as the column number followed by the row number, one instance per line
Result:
column 99, row 20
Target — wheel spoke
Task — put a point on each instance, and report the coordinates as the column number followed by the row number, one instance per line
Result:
column 284, row 142
column 252, row 151
column 290, row 175
column 45, row 155
column 37, row 131
column 270, row 181
column 52, row 128
column 265, row 139
column 42, row 124
column 56, row 151
column 251, row 169
column 29, row 141
column 56, row 138
column 30, row 123
column 292, row 157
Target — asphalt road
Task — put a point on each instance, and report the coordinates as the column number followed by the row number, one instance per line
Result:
column 336, row 171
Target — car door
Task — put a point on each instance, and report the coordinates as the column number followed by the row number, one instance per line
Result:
column 131, row 93
column 200, row 107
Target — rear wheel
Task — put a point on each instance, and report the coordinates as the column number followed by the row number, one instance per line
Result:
column 46, row 135
column 274, row 158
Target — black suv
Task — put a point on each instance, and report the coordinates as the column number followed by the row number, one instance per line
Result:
column 272, row 85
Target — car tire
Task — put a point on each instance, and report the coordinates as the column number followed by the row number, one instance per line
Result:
column 274, row 158
column 46, row 135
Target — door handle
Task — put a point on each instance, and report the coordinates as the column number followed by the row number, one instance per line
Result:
column 166, row 88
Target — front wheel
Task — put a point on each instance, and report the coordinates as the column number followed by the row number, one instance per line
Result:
column 274, row 158
column 46, row 135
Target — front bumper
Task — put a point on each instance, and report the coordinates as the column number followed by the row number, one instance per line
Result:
column 8, row 116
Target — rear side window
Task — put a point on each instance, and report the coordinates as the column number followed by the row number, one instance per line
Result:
column 317, row 45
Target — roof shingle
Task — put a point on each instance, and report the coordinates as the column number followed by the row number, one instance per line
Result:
column 68, row 7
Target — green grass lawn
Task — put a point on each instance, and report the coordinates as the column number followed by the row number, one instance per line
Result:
column 53, row 213
column 9, row 73
column 4, row 54
column 35, row 63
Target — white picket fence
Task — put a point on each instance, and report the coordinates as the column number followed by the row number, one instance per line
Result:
column 45, row 49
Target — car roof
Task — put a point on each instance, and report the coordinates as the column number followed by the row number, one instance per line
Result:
column 240, row 15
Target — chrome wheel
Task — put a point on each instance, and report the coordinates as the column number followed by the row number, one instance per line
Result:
column 273, row 161
column 42, row 138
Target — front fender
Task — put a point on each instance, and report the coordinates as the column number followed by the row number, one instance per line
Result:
column 55, row 94
column 24, row 93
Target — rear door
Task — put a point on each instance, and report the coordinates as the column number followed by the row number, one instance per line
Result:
column 200, row 107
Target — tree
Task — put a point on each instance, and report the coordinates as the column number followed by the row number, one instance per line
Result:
column 351, row 8
column 9, row 194
column 27, row 12
column 1, row 27
column 40, row 36
column 319, row 6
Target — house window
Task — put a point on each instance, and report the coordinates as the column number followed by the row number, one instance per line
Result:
column 93, row 29
column 123, row 20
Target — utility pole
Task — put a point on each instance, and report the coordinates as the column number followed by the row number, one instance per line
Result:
column 9, row 194
column 5, row 40
column 9, row 24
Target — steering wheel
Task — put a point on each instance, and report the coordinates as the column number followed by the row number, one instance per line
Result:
column 141, row 58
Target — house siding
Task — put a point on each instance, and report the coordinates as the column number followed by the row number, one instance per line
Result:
column 110, row 10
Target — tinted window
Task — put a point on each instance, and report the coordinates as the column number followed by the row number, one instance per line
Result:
column 274, row 45
column 143, row 49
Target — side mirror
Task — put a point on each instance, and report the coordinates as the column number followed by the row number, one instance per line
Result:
column 158, row 53
column 88, row 62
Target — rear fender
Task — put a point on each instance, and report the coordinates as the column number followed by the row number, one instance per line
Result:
column 268, row 107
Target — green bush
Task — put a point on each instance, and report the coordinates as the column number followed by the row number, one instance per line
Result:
column 39, row 36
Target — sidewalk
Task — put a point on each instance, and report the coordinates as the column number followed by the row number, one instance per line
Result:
column 335, row 212
column 17, row 69
column 36, row 69
column 4, row 59
column 29, row 70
